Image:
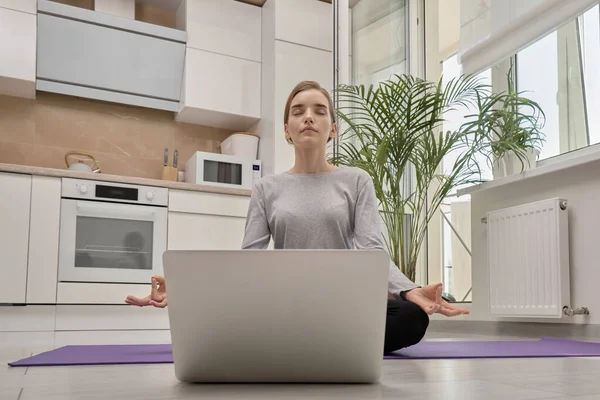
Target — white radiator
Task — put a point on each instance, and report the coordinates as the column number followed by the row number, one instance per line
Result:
column 528, row 260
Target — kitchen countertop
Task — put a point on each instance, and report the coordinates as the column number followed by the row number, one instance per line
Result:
column 63, row 173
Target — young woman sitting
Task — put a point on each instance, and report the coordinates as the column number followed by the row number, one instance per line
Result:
column 316, row 205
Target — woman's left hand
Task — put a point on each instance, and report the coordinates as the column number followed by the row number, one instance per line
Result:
column 429, row 298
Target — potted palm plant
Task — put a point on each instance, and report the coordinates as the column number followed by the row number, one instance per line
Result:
column 512, row 125
column 394, row 131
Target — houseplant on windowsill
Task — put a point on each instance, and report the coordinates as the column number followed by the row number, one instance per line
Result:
column 512, row 125
column 394, row 131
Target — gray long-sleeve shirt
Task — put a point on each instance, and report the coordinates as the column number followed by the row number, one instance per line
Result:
column 331, row 210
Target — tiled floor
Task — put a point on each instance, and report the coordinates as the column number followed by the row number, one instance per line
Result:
column 563, row 378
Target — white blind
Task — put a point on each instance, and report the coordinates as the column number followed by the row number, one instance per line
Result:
column 492, row 30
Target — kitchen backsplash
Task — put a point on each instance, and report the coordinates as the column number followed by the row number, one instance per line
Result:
column 124, row 140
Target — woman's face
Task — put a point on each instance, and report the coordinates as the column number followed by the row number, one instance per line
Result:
column 309, row 124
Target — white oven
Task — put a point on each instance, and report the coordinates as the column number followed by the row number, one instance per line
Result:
column 222, row 170
column 111, row 232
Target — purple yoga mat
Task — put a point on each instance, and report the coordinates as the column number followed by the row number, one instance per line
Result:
column 545, row 347
column 161, row 353
column 101, row 355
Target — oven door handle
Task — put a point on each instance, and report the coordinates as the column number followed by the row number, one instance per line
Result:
column 109, row 211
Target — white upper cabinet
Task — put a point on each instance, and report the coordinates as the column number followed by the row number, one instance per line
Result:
column 95, row 55
column 17, row 50
column 220, row 91
column 222, row 77
column 28, row 6
column 305, row 22
column 225, row 27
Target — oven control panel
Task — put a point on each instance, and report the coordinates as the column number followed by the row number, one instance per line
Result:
column 114, row 192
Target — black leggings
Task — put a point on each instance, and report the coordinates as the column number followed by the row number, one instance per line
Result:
column 406, row 324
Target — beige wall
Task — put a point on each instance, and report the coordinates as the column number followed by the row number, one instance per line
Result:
column 448, row 28
column 125, row 140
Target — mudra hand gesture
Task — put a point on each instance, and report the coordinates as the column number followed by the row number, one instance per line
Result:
column 429, row 298
column 157, row 297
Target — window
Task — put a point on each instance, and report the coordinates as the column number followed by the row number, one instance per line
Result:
column 590, row 49
column 541, row 85
column 378, row 40
column 385, row 38
column 456, row 212
column 451, row 69
column 560, row 72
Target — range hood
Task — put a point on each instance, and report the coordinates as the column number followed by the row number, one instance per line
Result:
column 99, row 56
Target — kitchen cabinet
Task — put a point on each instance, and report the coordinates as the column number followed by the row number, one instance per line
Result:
column 318, row 34
column 17, row 52
column 42, row 270
column 206, row 221
column 208, row 203
column 224, row 27
column 15, row 202
column 220, row 91
column 95, row 55
column 205, row 232
column 222, row 76
column 28, row 6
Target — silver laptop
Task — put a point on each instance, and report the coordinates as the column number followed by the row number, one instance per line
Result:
column 277, row 316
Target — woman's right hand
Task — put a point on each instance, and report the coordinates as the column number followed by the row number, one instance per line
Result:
column 156, row 298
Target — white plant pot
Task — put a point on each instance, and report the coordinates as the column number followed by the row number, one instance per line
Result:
column 510, row 164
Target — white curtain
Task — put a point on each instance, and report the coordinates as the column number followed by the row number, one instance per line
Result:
column 492, row 30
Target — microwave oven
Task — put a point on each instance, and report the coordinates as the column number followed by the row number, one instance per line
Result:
column 222, row 170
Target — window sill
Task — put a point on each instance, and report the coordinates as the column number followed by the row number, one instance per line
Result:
column 562, row 162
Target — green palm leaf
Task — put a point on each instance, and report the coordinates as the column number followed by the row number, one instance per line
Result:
column 394, row 132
